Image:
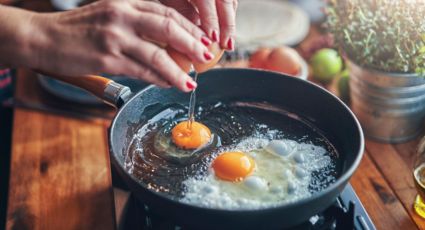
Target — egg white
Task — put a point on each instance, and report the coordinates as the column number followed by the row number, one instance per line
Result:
column 282, row 174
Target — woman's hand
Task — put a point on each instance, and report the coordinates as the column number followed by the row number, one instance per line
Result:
column 116, row 37
column 217, row 17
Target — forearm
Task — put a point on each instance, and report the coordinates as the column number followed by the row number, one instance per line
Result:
column 18, row 38
column 112, row 37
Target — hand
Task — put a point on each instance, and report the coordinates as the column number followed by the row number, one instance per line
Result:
column 116, row 37
column 217, row 17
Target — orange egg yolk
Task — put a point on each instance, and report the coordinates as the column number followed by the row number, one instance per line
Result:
column 190, row 138
column 233, row 166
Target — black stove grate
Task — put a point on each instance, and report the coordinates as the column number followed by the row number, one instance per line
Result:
column 346, row 213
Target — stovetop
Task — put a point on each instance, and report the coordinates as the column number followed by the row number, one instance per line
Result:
column 346, row 213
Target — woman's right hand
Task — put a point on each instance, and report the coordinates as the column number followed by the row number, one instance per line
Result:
column 115, row 36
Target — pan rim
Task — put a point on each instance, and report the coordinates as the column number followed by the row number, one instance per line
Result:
column 340, row 180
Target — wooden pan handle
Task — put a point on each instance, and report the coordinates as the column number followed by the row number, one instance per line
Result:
column 92, row 83
column 102, row 87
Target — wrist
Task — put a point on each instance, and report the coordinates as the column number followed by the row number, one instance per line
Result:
column 33, row 39
column 21, row 37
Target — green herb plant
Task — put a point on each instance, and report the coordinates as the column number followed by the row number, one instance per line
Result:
column 385, row 35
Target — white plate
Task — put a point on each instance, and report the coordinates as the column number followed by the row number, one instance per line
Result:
column 270, row 23
column 65, row 4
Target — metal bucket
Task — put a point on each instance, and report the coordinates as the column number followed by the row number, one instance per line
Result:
column 390, row 106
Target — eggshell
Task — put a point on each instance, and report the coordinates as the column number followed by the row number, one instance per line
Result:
column 285, row 60
column 185, row 63
column 259, row 58
column 181, row 60
column 215, row 49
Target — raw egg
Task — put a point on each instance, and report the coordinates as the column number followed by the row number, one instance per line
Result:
column 259, row 58
column 193, row 137
column 284, row 59
column 233, row 166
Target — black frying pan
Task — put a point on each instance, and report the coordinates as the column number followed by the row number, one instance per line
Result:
column 315, row 104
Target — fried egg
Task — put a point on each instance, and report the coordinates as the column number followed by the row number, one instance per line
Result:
column 190, row 136
column 233, row 166
column 181, row 144
column 257, row 173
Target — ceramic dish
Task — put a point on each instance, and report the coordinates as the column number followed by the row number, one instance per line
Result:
column 270, row 23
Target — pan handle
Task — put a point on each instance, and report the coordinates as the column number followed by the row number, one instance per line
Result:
column 106, row 89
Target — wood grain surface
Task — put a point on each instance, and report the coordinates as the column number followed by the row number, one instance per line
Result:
column 378, row 198
column 396, row 165
column 60, row 174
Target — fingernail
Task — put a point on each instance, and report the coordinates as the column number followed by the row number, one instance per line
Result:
column 230, row 44
column 191, row 84
column 214, row 35
column 209, row 56
column 205, row 41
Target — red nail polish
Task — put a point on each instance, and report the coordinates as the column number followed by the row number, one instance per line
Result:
column 214, row 36
column 191, row 85
column 230, row 44
column 205, row 41
column 208, row 56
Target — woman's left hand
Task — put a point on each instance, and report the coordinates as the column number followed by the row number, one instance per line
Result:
column 217, row 17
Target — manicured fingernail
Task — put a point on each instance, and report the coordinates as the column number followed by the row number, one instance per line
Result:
column 191, row 84
column 230, row 44
column 206, row 41
column 209, row 56
column 214, row 35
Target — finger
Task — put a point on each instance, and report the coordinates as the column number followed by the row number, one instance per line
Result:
column 166, row 30
column 126, row 65
column 185, row 8
column 168, row 12
column 227, row 20
column 209, row 18
column 158, row 59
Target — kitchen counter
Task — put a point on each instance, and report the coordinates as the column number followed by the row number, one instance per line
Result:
column 61, row 178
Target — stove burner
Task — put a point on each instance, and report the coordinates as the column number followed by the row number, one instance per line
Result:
column 346, row 213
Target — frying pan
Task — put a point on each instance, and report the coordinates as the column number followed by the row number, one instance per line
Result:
column 315, row 104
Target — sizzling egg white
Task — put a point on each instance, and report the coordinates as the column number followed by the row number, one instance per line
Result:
column 282, row 173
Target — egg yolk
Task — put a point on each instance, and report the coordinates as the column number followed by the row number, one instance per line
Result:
column 233, row 166
column 190, row 138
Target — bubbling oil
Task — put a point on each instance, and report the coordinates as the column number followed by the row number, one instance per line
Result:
column 161, row 166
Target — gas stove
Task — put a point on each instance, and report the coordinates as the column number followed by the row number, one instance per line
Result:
column 346, row 213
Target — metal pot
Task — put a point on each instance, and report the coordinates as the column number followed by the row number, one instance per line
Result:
column 323, row 110
column 390, row 106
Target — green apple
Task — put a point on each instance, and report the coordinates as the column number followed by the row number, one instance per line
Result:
column 343, row 86
column 326, row 64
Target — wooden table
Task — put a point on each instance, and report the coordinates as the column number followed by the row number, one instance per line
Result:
column 60, row 175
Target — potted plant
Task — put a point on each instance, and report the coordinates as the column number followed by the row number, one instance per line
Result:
column 383, row 42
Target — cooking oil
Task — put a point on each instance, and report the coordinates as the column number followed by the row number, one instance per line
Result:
column 419, row 179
